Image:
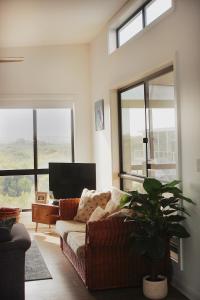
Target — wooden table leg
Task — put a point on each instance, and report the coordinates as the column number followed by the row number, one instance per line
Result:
column 36, row 227
column 49, row 225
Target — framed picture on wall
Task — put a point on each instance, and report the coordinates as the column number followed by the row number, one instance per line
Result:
column 41, row 197
column 99, row 115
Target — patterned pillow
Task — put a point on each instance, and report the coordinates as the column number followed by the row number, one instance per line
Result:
column 90, row 199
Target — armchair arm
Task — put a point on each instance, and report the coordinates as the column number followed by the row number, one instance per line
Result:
column 68, row 208
column 20, row 239
column 108, row 232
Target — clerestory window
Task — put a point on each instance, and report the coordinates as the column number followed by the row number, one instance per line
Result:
column 141, row 18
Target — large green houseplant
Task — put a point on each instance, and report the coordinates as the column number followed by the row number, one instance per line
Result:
column 157, row 214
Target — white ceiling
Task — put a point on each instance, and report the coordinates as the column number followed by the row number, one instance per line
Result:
column 53, row 22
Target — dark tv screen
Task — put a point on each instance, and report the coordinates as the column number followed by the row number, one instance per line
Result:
column 67, row 180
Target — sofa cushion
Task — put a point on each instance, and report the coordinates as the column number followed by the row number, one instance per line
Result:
column 98, row 214
column 90, row 199
column 76, row 241
column 64, row 227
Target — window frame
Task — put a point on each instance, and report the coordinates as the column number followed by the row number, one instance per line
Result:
column 35, row 171
column 175, row 244
column 141, row 9
column 122, row 174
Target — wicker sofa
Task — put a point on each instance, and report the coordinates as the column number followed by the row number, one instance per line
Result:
column 100, row 251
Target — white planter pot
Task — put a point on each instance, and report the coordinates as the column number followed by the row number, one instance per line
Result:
column 155, row 289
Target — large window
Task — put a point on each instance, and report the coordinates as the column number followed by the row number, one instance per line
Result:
column 146, row 14
column 148, row 129
column 29, row 140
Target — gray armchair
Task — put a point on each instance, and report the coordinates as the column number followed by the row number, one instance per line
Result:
column 12, row 264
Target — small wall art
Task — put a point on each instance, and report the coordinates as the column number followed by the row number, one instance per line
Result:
column 99, row 115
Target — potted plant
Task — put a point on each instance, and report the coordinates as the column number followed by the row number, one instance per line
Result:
column 157, row 214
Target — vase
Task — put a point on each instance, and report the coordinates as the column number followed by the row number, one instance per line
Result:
column 155, row 290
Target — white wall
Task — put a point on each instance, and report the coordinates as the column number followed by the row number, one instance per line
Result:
column 175, row 38
column 49, row 74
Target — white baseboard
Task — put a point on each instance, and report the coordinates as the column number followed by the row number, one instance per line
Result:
column 185, row 290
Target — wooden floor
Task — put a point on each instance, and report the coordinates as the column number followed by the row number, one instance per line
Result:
column 66, row 285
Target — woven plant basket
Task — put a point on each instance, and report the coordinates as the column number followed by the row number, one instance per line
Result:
column 8, row 213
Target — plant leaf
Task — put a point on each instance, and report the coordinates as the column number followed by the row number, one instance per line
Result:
column 156, row 248
column 180, row 196
column 141, row 245
column 175, row 218
column 179, row 208
column 167, row 201
column 172, row 183
column 171, row 189
column 169, row 211
column 125, row 200
column 178, row 231
column 152, row 185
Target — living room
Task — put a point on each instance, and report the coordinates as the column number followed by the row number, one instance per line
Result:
column 73, row 66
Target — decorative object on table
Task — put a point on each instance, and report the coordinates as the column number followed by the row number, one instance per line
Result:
column 41, row 197
column 99, row 115
column 51, row 195
column 35, row 266
column 9, row 213
column 158, row 214
column 52, row 199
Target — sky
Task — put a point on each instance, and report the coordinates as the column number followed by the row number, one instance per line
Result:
column 18, row 124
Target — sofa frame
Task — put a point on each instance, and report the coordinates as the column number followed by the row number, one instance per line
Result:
column 109, row 260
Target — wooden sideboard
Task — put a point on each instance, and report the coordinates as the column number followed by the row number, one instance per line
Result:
column 45, row 214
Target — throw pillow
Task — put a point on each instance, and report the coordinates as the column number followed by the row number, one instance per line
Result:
column 116, row 195
column 90, row 199
column 111, row 207
column 98, row 214
column 122, row 213
column 5, row 229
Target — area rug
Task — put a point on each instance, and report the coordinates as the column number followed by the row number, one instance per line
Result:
column 35, row 266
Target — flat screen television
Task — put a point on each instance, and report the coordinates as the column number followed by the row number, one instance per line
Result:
column 67, row 180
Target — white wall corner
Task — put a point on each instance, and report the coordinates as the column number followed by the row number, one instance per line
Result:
column 185, row 289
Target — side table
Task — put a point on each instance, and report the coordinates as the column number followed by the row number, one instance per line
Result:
column 45, row 214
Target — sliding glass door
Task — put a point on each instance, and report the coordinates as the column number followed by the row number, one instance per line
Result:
column 147, row 126
column 162, row 128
